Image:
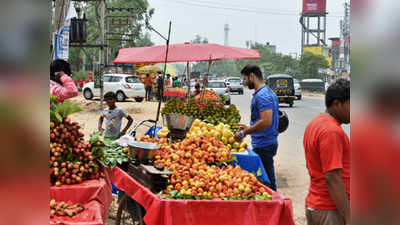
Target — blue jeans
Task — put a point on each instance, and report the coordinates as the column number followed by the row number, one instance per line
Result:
column 267, row 157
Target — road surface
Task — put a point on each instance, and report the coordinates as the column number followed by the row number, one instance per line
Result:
column 291, row 171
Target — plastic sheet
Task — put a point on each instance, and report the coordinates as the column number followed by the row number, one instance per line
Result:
column 278, row 211
column 252, row 163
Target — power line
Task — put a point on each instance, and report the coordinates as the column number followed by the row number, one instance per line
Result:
column 256, row 8
column 242, row 10
column 246, row 7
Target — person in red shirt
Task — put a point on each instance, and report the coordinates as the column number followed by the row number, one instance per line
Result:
column 148, row 86
column 327, row 152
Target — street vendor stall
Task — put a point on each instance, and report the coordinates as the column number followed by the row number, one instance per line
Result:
column 188, row 175
column 192, row 176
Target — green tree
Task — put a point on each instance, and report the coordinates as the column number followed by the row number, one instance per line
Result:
column 270, row 62
column 310, row 64
column 199, row 40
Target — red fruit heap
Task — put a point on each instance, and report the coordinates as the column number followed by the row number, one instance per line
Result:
column 193, row 176
column 71, row 159
column 208, row 95
column 64, row 209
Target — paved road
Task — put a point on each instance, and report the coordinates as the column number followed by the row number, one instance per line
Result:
column 291, row 172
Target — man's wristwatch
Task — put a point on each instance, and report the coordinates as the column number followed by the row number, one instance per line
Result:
column 241, row 134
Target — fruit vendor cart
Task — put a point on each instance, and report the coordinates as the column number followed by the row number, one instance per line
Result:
column 189, row 178
column 141, row 179
column 277, row 211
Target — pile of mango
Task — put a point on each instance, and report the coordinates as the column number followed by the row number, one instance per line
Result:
column 221, row 132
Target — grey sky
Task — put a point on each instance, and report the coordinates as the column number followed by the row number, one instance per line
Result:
column 274, row 21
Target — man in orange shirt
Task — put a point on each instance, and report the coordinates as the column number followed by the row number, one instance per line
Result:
column 148, row 86
column 327, row 152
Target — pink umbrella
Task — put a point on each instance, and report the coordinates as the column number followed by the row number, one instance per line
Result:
column 187, row 52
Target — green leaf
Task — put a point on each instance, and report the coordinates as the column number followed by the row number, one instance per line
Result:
column 94, row 137
column 234, row 159
column 58, row 117
column 119, row 160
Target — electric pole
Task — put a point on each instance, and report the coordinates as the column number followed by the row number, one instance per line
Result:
column 345, row 30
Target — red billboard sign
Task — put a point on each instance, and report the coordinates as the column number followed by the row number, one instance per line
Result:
column 314, row 6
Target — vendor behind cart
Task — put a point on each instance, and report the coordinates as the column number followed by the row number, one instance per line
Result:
column 113, row 116
column 264, row 120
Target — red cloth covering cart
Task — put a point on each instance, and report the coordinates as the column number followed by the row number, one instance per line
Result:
column 277, row 211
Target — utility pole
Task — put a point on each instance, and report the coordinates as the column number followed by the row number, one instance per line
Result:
column 102, row 65
column 346, row 36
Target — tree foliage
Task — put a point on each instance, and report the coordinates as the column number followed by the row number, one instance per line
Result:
column 310, row 64
column 270, row 63
column 199, row 40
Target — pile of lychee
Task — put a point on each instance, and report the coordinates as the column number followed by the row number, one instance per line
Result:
column 71, row 158
column 64, row 209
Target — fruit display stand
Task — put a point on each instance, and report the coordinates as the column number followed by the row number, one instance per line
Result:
column 277, row 211
column 248, row 160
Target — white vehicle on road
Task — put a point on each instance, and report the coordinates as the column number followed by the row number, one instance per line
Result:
column 124, row 86
column 297, row 89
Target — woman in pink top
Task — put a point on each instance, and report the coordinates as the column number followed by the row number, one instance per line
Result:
column 61, row 84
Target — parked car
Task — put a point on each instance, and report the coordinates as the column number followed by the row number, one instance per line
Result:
column 282, row 85
column 220, row 87
column 124, row 86
column 297, row 89
column 235, row 84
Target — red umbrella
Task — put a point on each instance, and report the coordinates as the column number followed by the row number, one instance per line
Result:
column 187, row 52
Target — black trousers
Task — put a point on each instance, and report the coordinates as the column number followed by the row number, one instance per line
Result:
column 148, row 92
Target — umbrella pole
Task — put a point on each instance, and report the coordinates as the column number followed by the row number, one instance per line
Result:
column 163, row 77
column 188, row 81
column 205, row 82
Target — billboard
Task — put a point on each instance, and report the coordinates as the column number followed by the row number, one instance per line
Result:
column 314, row 6
column 316, row 50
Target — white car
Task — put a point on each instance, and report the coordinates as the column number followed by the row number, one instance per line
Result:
column 297, row 89
column 124, row 86
column 235, row 84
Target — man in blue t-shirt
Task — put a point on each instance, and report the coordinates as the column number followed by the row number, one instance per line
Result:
column 264, row 120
